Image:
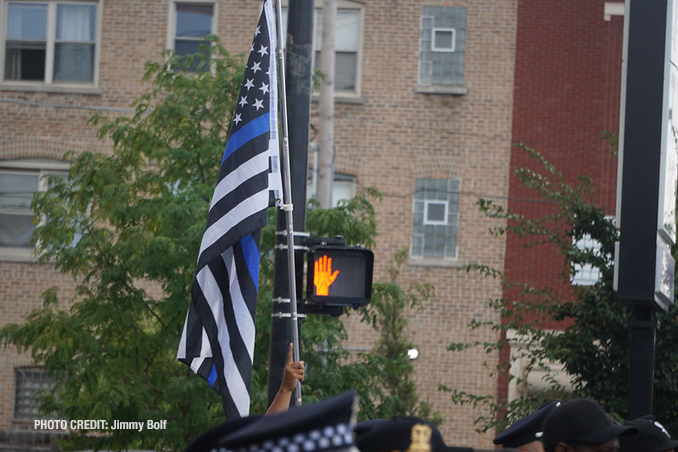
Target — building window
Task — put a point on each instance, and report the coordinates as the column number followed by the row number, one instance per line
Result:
column 191, row 24
column 347, row 45
column 50, row 42
column 443, row 39
column 29, row 383
column 343, row 187
column 19, row 181
column 435, row 219
column 443, row 46
column 587, row 274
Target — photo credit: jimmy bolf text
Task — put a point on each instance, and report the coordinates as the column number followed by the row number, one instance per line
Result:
column 60, row 424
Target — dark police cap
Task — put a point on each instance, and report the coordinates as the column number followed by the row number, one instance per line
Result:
column 322, row 426
column 526, row 429
column 210, row 439
column 582, row 421
column 363, row 427
column 403, row 434
column 651, row 437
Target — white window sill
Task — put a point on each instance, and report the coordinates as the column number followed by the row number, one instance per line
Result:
column 42, row 88
column 17, row 254
column 441, row 89
column 430, row 262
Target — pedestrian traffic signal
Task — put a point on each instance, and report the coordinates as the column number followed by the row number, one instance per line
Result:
column 339, row 275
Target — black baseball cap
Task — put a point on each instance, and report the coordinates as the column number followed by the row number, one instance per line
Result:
column 651, row 437
column 582, row 421
column 526, row 429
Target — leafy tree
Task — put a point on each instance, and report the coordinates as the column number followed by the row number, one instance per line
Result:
column 322, row 335
column 593, row 345
column 127, row 226
column 382, row 377
column 391, row 382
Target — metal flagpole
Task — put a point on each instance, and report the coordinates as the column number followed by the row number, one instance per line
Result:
column 287, row 195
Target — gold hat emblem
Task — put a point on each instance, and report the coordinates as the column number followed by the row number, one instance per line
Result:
column 420, row 438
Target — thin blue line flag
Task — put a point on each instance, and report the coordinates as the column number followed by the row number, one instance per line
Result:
column 218, row 337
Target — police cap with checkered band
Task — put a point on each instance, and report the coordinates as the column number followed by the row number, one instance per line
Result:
column 322, row 426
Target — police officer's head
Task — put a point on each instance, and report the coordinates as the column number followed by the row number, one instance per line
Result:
column 321, row 427
column 525, row 434
column 402, row 434
column 581, row 425
column 651, row 437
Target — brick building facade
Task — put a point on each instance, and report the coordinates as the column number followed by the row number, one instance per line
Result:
column 566, row 98
column 431, row 96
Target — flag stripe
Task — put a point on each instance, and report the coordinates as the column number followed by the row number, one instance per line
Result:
column 248, row 132
column 212, row 321
column 256, row 166
column 213, row 243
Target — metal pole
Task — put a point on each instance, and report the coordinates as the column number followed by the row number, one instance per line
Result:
column 296, row 81
column 288, row 207
column 643, row 325
column 639, row 264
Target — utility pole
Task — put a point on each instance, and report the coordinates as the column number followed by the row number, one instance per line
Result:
column 644, row 267
column 326, row 107
column 299, row 48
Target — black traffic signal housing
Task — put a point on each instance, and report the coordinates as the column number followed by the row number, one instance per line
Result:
column 339, row 275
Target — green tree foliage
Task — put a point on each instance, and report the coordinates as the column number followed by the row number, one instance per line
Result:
column 593, row 345
column 126, row 226
column 382, row 378
column 391, row 382
column 322, row 335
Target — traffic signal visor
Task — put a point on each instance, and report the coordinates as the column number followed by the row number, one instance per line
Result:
column 339, row 276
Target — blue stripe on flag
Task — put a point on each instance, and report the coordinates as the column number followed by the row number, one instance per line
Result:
column 250, row 252
column 248, row 132
column 213, row 376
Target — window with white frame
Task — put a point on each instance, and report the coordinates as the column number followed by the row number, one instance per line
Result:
column 587, row 274
column 442, row 46
column 191, row 23
column 435, row 219
column 29, row 382
column 50, row 42
column 343, row 188
column 347, row 45
column 19, row 181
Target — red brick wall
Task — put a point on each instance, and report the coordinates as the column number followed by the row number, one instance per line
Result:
column 567, row 86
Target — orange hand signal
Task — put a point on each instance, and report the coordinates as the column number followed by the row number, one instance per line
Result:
column 323, row 276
